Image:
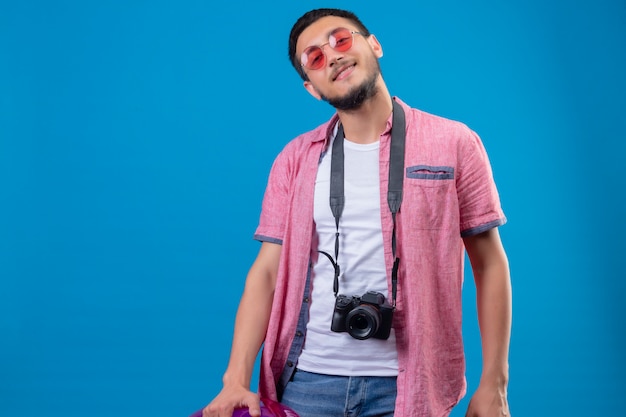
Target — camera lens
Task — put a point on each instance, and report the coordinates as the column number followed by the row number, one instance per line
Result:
column 363, row 322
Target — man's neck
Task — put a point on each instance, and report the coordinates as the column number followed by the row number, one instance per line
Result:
column 368, row 122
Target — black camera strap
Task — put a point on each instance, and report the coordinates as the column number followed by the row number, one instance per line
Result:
column 394, row 193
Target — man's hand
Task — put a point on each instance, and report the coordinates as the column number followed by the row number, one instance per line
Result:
column 229, row 399
column 488, row 402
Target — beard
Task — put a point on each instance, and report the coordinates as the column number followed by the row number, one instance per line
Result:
column 355, row 98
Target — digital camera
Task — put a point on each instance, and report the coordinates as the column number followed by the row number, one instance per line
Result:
column 363, row 317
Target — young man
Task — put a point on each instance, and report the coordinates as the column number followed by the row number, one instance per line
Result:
column 355, row 293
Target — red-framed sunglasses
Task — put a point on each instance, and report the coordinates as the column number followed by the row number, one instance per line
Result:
column 340, row 39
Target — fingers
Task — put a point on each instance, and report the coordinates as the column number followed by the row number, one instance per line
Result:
column 212, row 410
column 224, row 406
column 254, row 409
column 254, row 405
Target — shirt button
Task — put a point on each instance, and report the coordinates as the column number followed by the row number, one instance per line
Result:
column 290, row 364
column 306, row 299
column 299, row 333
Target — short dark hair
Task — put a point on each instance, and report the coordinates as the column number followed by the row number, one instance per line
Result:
column 307, row 20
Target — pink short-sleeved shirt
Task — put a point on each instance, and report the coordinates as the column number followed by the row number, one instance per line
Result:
column 448, row 193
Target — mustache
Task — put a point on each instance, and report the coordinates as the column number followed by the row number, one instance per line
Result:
column 343, row 66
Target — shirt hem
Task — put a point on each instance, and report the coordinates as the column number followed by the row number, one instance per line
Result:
column 483, row 228
column 263, row 238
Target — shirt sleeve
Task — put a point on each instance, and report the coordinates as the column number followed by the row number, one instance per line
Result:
column 479, row 202
column 274, row 209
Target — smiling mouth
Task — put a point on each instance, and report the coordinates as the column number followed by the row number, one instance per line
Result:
column 341, row 70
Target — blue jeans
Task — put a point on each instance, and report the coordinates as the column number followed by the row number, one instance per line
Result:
column 316, row 395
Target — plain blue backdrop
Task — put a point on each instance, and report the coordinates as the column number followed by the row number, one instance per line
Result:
column 135, row 142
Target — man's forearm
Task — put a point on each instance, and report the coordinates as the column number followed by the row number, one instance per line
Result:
column 494, row 307
column 253, row 316
column 250, row 328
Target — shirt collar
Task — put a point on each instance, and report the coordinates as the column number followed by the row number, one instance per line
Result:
column 332, row 124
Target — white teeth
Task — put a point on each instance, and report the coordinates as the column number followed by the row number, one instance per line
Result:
column 342, row 71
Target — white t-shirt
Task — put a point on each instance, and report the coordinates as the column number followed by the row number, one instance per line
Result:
column 362, row 265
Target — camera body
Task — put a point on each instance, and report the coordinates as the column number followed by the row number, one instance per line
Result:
column 363, row 317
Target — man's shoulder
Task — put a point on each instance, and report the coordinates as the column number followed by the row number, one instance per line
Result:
column 435, row 134
column 424, row 118
column 316, row 135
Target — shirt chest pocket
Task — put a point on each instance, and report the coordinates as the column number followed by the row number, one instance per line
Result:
column 430, row 201
column 430, row 173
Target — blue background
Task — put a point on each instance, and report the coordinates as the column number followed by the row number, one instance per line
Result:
column 135, row 142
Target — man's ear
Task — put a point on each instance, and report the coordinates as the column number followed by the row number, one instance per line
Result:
column 376, row 46
column 312, row 90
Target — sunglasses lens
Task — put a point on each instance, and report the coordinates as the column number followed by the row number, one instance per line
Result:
column 313, row 58
column 340, row 40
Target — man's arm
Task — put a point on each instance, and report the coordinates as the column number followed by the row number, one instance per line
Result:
column 493, row 297
column 250, row 328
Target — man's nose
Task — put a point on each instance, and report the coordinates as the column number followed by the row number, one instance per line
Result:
column 333, row 56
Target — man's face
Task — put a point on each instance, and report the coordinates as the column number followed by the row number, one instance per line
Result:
column 347, row 78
